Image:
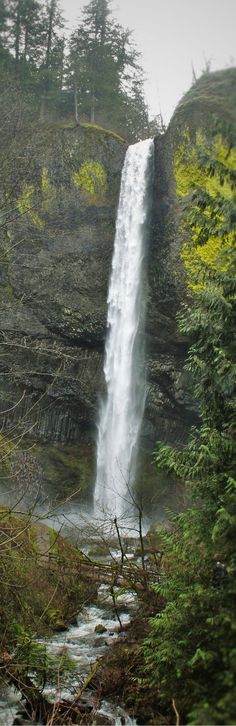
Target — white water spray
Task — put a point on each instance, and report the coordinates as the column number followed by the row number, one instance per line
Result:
column 121, row 414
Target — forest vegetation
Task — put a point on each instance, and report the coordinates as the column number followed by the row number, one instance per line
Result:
column 93, row 74
column 190, row 650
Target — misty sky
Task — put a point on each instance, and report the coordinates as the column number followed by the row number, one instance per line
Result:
column 172, row 35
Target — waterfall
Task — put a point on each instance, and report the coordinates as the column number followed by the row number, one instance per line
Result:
column 121, row 413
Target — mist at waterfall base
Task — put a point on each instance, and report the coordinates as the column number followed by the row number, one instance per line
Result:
column 122, row 411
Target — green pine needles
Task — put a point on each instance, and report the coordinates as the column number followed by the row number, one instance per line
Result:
column 190, row 653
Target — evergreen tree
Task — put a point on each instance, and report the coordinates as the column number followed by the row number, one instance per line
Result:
column 32, row 47
column 135, row 109
column 25, row 34
column 103, row 67
column 190, row 653
column 51, row 70
column 3, row 22
column 92, row 63
column 102, row 80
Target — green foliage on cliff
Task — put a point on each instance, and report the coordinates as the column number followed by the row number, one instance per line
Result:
column 205, row 171
column 45, row 180
column 190, row 652
column 26, row 206
column 91, row 180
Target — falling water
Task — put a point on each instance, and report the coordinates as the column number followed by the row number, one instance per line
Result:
column 122, row 411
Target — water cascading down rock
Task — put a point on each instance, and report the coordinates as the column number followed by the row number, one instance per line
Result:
column 121, row 413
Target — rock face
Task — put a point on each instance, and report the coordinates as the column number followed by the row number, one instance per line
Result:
column 54, row 289
column 53, row 308
column 169, row 408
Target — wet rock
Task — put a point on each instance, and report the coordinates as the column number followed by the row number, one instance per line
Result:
column 100, row 629
column 101, row 720
column 60, row 626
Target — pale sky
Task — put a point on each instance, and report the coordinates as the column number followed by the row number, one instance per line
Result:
column 172, row 35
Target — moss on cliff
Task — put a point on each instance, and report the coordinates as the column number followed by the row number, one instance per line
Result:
column 200, row 139
column 91, row 180
column 89, row 125
column 204, row 173
column 211, row 99
column 26, row 205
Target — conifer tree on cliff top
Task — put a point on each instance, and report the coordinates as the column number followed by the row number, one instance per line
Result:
column 102, row 65
column 32, row 47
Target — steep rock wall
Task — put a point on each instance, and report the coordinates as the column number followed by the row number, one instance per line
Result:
column 54, row 288
column 169, row 407
column 53, row 297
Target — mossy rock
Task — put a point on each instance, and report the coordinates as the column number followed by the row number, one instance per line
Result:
column 210, row 100
column 100, row 629
column 55, row 620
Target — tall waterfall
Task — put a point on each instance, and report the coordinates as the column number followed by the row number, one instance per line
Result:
column 122, row 411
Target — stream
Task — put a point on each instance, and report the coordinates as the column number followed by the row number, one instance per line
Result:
column 96, row 629
column 84, row 645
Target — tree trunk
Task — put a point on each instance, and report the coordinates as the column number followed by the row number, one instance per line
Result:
column 47, row 59
column 17, row 39
column 92, row 114
column 76, row 101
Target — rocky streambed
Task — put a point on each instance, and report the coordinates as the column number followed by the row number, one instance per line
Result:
column 85, row 643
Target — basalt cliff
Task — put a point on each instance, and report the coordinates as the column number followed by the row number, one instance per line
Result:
column 56, row 258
